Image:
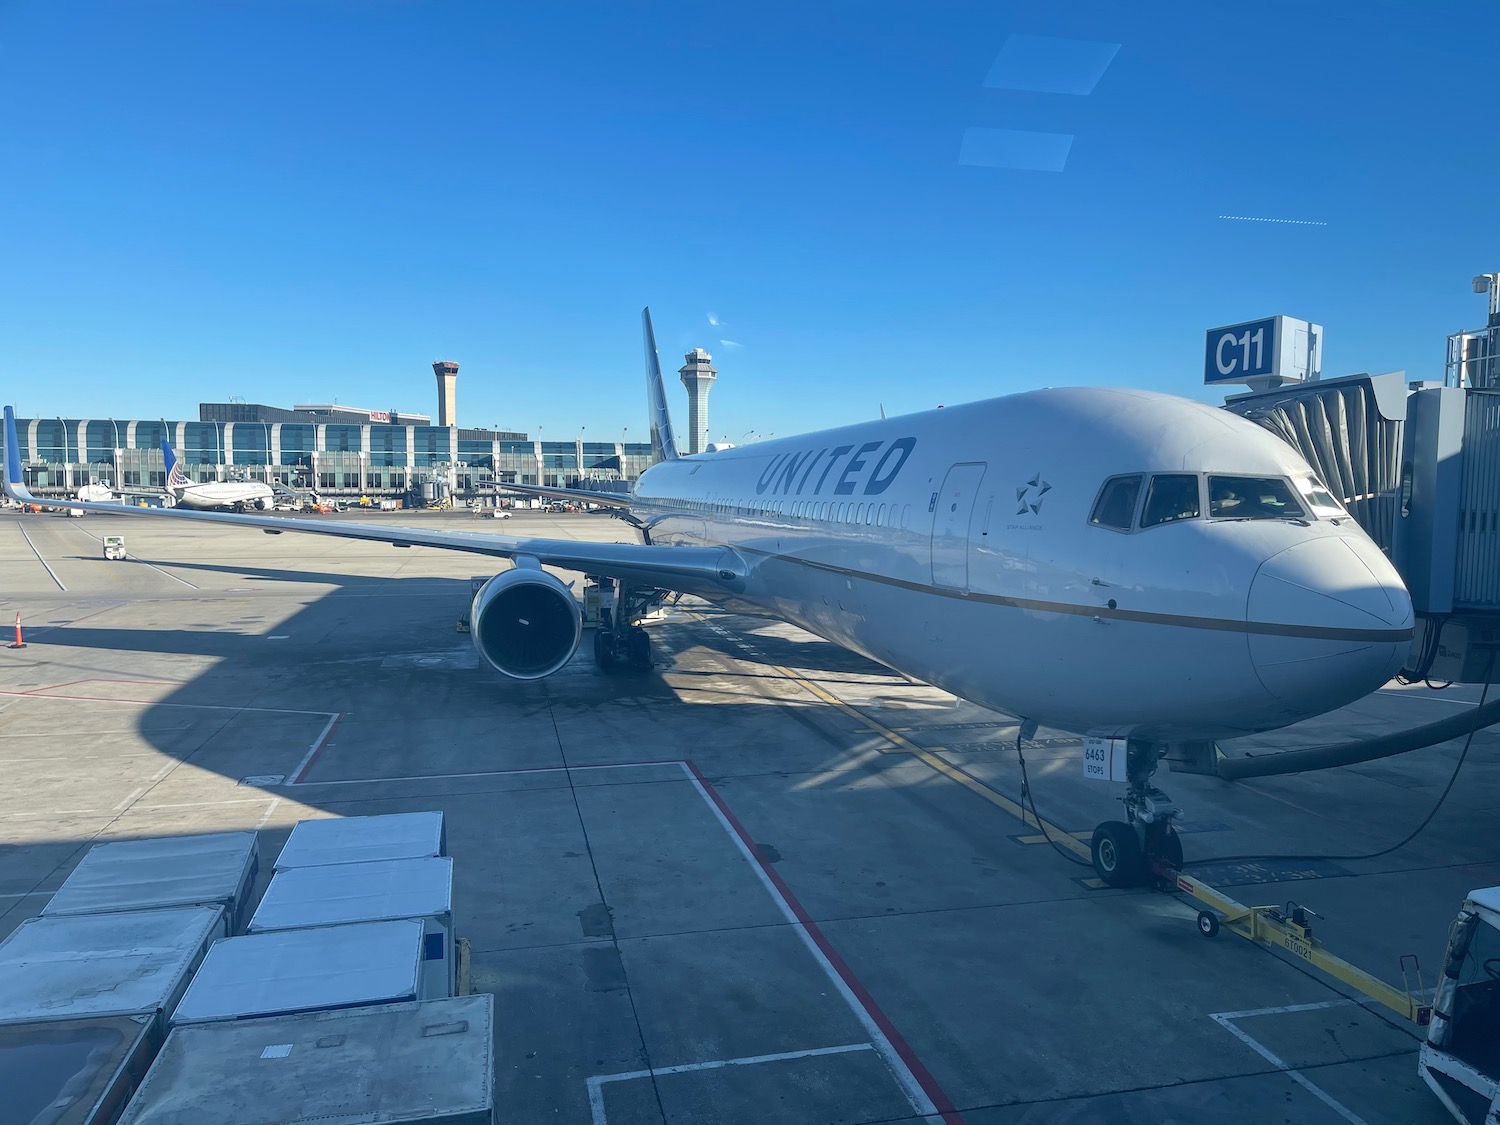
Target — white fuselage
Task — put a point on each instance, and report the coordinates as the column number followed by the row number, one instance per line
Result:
column 223, row 494
column 957, row 547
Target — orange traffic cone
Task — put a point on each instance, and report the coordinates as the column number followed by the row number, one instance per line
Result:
column 19, row 642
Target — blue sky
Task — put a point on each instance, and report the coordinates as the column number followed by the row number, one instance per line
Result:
column 300, row 201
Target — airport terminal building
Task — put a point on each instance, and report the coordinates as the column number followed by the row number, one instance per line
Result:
column 333, row 450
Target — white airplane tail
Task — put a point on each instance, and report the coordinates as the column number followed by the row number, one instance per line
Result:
column 663, row 444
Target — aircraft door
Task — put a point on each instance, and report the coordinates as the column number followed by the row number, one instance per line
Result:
column 950, row 525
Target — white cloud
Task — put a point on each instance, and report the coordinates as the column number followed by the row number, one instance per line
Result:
column 731, row 343
column 713, row 319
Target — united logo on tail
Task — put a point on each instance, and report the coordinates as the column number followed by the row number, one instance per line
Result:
column 176, row 478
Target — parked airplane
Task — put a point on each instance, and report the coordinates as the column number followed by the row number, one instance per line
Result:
column 1111, row 562
column 239, row 495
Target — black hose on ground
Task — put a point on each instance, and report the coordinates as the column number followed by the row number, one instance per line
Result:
column 1367, row 750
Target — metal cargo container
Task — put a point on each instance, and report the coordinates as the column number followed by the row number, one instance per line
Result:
column 361, row 839
column 75, row 966
column 287, row 971
column 73, row 1072
column 425, row 1063
column 217, row 869
column 370, row 892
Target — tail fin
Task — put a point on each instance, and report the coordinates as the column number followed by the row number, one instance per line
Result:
column 663, row 444
column 176, row 478
column 15, row 484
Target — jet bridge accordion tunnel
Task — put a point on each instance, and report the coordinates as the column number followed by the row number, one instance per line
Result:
column 1418, row 467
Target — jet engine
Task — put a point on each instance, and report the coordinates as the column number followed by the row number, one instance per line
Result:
column 525, row 623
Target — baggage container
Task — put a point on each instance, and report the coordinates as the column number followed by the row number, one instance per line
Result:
column 217, row 869
column 362, row 839
column 73, row 1072
column 79, row 965
column 370, row 892
column 423, row 1063
column 287, row 971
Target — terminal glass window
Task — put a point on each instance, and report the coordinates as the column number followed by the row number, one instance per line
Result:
column 102, row 440
column 1116, row 504
column 343, row 439
column 50, row 435
column 148, row 435
column 203, row 443
column 1252, row 498
column 250, row 443
column 388, row 445
column 1171, row 497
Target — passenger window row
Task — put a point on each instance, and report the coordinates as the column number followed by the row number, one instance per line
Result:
column 824, row 511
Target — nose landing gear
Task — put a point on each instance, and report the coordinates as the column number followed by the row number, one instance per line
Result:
column 1126, row 853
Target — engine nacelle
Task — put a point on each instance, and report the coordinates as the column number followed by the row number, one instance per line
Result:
column 265, row 503
column 525, row 623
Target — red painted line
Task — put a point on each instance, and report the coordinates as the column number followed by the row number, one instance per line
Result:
column 318, row 749
column 105, row 699
column 924, row 1077
column 97, row 680
column 76, row 620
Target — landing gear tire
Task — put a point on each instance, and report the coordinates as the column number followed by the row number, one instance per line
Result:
column 604, row 649
column 638, row 648
column 1116, row 851
column 1208, row 923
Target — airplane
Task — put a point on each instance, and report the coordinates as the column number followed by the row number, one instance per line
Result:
column 1111, row 562
column 239, row 495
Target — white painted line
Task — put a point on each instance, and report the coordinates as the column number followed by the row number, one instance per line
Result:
column 893, row 1060
column 1284, row 1009
column 143, row 562
column 1435, row 698
column 134, row 793
column 279, row 637
column 39, row 558
column 1226, row 1021
column 270, row 808
column 596, row 1083
column 312, row 751
column 159, row 570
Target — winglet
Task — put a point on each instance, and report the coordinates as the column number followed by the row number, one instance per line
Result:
column 15, row 483
column 663, row 444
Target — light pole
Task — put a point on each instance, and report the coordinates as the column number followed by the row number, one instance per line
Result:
column 119, row 473
column 67, row 464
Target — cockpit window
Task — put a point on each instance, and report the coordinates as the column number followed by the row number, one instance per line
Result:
column 1171, row 497
column 1253, row 498
column 1318, row 498
column 1116, row 504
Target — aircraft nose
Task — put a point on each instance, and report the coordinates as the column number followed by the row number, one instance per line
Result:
column 1330, row 621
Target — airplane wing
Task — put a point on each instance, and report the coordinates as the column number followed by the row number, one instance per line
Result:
column 707, row 571
column 585, row 495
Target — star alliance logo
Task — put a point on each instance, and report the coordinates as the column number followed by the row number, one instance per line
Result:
column 1030, row 495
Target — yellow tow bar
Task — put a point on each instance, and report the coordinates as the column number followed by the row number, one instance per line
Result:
column 1290, row 928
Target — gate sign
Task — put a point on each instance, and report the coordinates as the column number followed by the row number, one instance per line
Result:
column 1279, row 349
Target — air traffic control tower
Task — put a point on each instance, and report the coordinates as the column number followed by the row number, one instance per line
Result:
column 698, row 375
column 447, row 383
